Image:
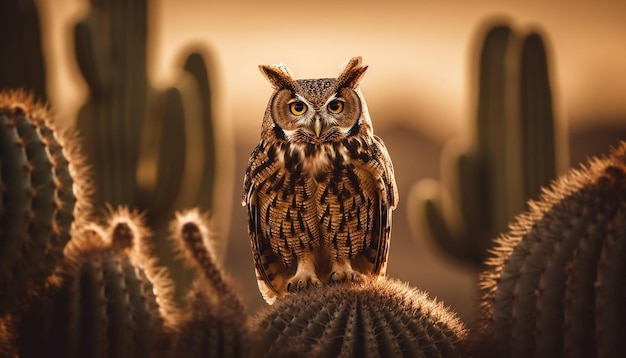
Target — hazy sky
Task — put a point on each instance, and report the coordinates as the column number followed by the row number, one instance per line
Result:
column 419, row 53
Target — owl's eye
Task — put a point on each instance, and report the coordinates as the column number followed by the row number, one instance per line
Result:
column 335, row 107
column 297, row 108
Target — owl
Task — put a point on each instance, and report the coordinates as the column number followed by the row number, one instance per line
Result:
column 319, row 187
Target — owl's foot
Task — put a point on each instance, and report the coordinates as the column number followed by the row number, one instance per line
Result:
column 342, row 271
column 302, row 282
column 305, row 276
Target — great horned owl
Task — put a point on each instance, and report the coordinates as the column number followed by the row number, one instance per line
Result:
column 319, row 187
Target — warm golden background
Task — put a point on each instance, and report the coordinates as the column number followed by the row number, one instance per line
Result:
column 420, row 88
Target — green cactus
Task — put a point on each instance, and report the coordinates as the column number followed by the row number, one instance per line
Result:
column 22, row 64
column 107, row 299
column 152, row 150
column 39, row 188
column 215, row 324
column 555, row 284
column 513, row 157
column 383, row 318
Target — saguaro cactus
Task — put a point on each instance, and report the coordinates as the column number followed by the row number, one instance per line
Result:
column 39, row 188
column 513, row 156
column 139, row 140
column 382, row 318
column 105, row 303
column 555, row 285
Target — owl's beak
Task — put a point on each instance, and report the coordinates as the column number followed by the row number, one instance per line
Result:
column 317, row 126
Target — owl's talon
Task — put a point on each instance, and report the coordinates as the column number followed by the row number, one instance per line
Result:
column 344, row 273
column 298, row 284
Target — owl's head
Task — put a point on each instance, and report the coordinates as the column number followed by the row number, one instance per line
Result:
column 316, row 110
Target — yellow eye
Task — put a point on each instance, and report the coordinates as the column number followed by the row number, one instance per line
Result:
column 335, row 107
column 297, row 108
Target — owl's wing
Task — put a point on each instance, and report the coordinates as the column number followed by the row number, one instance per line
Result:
column 381, row 168
column 261, row 248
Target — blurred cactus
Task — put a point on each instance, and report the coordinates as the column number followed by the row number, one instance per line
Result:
column 111, row 52
column 555, row 284
column 383, row 318
column 22, row 63
column 514, row 154
column 107, row 299
column 39, row 188
column 215, row 323
column 153, row 151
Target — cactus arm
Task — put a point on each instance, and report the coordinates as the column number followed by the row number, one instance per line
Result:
column 537, row 118
column 197, row 67
column 497, row 132
column 94, row 74
column 215, row 324
column 162, row 158
column 192, row 232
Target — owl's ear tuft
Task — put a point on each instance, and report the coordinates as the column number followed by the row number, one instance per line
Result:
column 352, row 73
column 278, row 75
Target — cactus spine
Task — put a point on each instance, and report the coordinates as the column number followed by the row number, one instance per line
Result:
column 555, row 285
column 515, row 148
column 215, row 324
column 103, row 301
column 38, row 194
column 382, row 318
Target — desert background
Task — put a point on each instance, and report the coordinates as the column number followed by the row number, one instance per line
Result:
column 420, row 90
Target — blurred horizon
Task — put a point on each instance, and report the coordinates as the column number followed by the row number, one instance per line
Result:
column 425, row 51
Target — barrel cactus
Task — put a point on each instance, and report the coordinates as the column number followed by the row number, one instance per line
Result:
column 383, row 318
column 40, row 196
column 555, row 285
column 215, row 323
column 107, row 299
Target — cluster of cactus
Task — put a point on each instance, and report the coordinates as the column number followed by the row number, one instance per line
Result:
column 555, row 285
column 378, row 318
column 152, row 150
column 22, row 65
column 69, row 287
column 108, row 298
column 513, row 157
column 102, row 299
column 41, row 188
